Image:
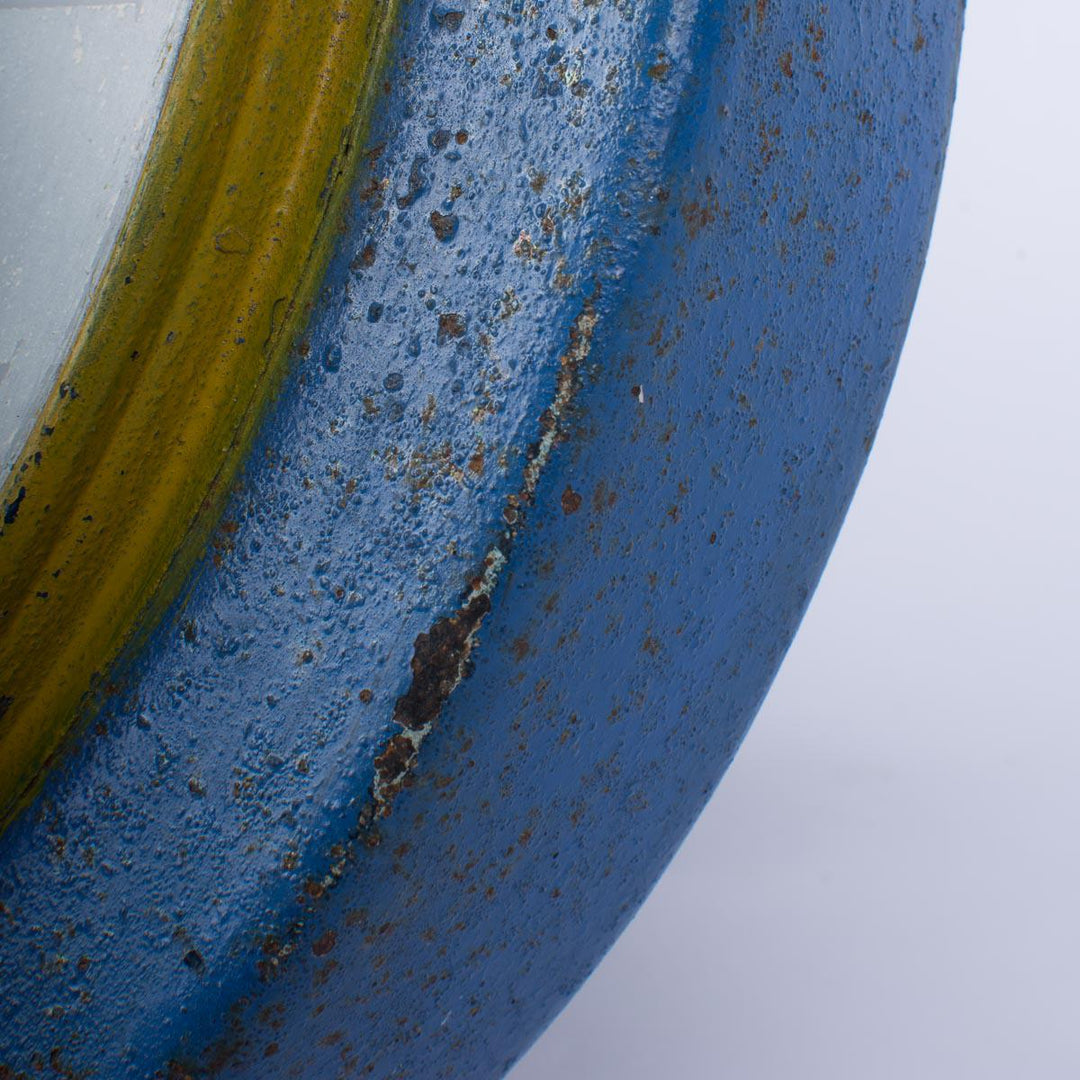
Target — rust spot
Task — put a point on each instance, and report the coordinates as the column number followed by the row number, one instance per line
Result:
column 696, row 215
column 767, row 138
column 451, row 325
column 444, row 226
column 602, row 498
column 571, row 501
column 417, row 184
column 525, row 248
column 323, row 944
column 394, row 763
column 438, row 658
column 786, row 64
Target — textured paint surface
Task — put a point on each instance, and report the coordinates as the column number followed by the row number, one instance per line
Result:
column 226, row 242
column 577, row 418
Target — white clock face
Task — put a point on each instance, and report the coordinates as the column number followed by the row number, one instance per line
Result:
column 81, row 86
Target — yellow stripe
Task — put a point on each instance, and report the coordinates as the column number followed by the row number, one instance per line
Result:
column 183, row 344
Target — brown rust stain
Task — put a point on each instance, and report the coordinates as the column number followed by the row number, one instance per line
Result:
column 451, row 325
column 323, row 944
column 442, row 655
column 443, row 225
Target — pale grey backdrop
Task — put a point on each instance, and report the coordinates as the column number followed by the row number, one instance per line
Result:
column 887, row 884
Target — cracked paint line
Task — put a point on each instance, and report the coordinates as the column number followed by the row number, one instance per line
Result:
column 442, row 655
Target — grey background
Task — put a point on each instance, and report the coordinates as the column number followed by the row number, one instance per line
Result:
column 887, row 883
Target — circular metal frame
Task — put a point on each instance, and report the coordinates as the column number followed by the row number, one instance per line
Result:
column 580, row 404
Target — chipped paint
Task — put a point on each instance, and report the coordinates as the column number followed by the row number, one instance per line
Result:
column 442, row 656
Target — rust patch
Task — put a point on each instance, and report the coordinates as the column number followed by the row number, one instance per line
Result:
column 322, row 945
column 442, row 655
column 451, row 325
column 437, row 664
column 443, row 225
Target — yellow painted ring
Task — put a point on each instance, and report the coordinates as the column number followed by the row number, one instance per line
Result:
column 184, row 342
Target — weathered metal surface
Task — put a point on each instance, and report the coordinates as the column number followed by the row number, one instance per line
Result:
column 579, row 412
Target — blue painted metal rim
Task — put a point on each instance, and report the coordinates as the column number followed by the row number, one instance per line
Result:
column 579, row 412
